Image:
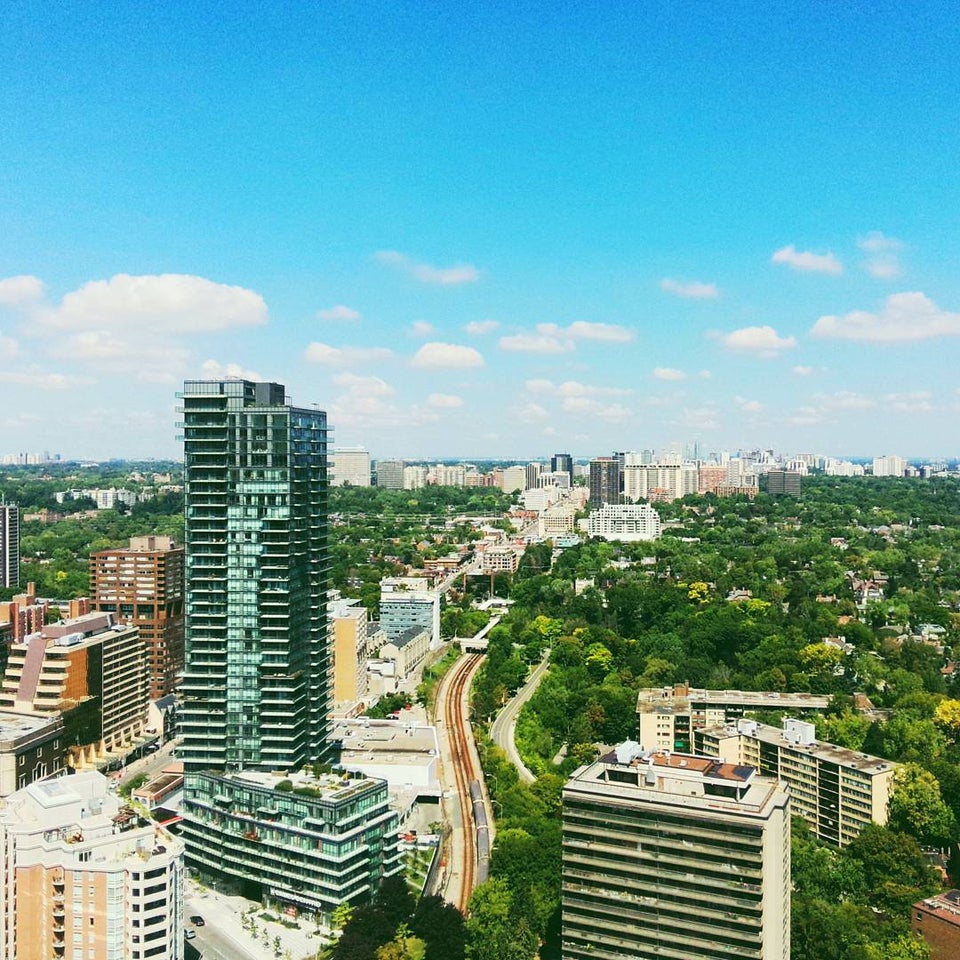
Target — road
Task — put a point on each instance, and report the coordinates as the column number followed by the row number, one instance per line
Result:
column 503, row 730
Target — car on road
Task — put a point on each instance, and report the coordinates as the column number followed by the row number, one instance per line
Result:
column 197, row 920
column 189, row 934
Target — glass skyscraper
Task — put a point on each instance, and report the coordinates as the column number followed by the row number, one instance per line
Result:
column 257, row 690
column 257, row 687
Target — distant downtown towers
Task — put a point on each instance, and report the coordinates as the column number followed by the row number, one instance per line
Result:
column 257, row 686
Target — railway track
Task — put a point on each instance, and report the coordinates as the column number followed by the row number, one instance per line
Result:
column 466, row 775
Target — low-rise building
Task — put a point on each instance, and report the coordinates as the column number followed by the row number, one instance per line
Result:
column 406, row 651
column 86, row 877
column 937, row 920
column 351, row 651
column 837, row 791
column 301, row 842
column 499, row 559
column 31, row 749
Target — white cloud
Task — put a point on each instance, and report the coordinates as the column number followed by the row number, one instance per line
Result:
column 705, row 375
column 216, row 370
column 427, row 273
column 882, row 262
column 420, row 328
column 613, row 413
column 876, row 242
column 583, row 330
column 339, row 313
column 808, row 262
column 168, row 303
column 764, row 341
column 844, row 400
column 698, row 418
column 917, row 401
column 477, row 328
column 20, row 291
column 691, row 290
column 43, row 381
column 360, row 386
column 536, row 343
column 551, row 338
column 802, row 371
column 904, row 317
column 328, row 356
column 8, row 347
column 444, row 401
column 668, row 373
column 748, row 406
column 573, row 388
column 435, row 356
column 532, row 413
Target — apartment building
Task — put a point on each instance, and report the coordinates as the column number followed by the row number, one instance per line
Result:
column 629, row 522
column 348, row 620
column 350, row 467
column 9, row 545
column 409, row 602
column 86, row 878
column 837, row 791
column 667, row 716
column 143, row 585
column 674, row 856
column 89, row 670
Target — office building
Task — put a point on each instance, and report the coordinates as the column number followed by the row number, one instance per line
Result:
column 534, row 471
column 90, row 671
column 667, row 716
column 629, row 522
column 673, row 856
column 390, row 474
column 86, row 878
column 837, row 791
column 604, row 481
column 409, row 602
column 142, row 584
column 562, row 463
column 9, row 545
column 783, row 482
column 350, row 467
column 257, row 687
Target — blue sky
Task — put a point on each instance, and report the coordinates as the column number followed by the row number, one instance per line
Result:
column 498, row 231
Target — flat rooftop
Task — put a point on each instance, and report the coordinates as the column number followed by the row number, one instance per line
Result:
column 829, row 752
column 671, row 699
column 16, row 725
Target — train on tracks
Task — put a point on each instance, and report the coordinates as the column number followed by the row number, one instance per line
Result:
column 481, row 827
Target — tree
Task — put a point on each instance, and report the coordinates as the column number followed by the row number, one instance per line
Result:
column 493, row 930
column 917, row 807
column 907, row 947
column 441, row 926
column 947, row 717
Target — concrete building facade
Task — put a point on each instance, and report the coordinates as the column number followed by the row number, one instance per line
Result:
column 629, row 522
column 350, row 467
column 837, row 791
column 348, row 619
column 672, row 856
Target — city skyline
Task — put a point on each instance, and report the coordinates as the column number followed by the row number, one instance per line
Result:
column 484, row 233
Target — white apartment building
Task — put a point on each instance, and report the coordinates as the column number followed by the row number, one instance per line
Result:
column 414, row 477
column 556, row 520
column 350, row 467
column 447, row 475
column 659, row 481
column 85, row 877
column 842, row 468
column 629, row 522
column 514, row 478
column 409, row 602
column 673, row 856
column 889, row 466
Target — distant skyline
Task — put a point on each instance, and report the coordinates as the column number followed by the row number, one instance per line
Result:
column 501, row 231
